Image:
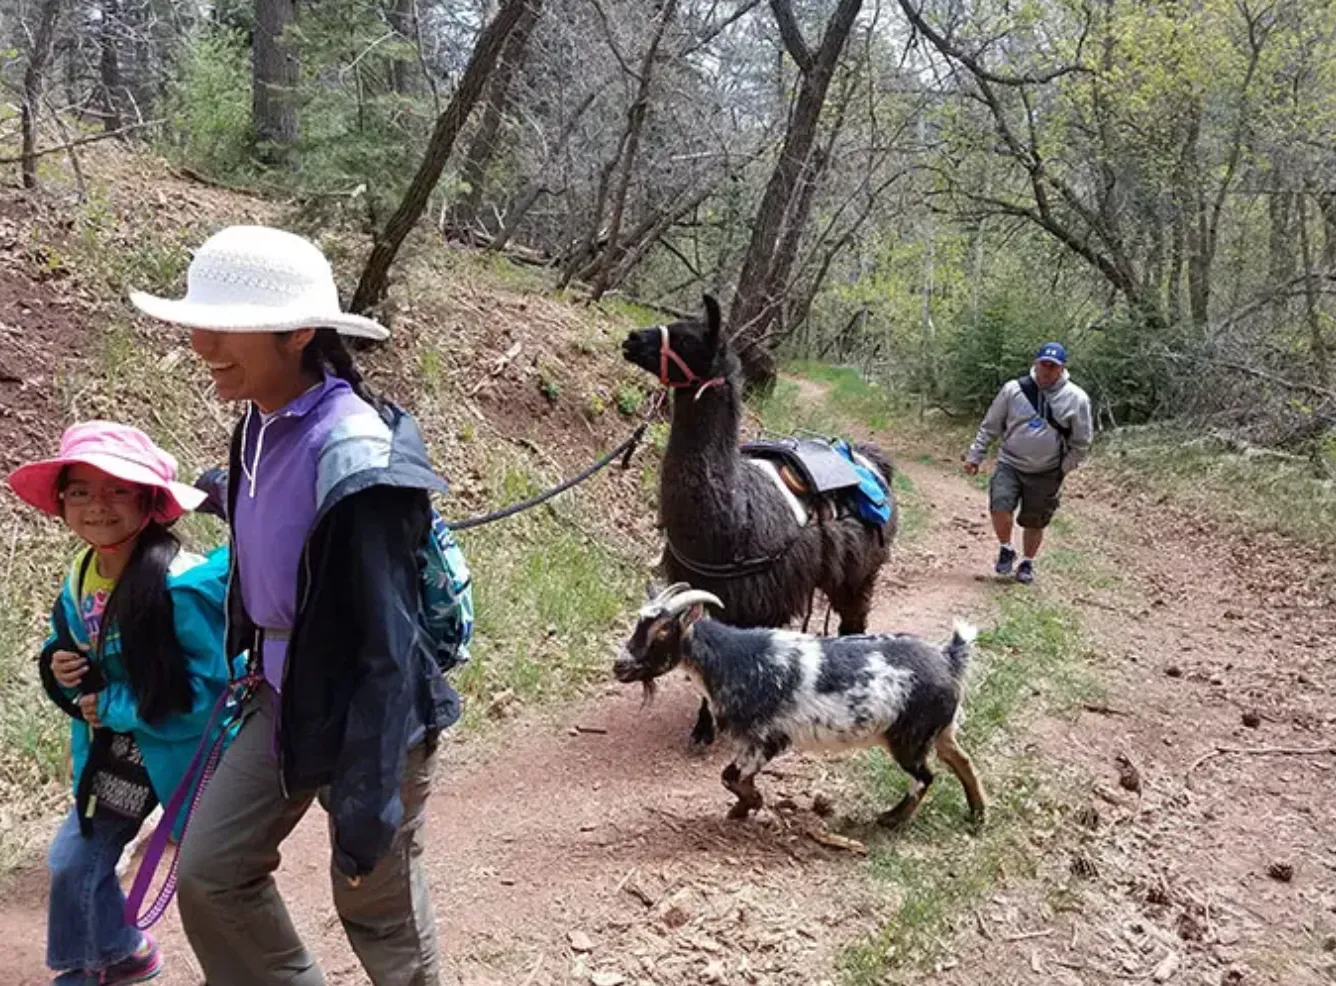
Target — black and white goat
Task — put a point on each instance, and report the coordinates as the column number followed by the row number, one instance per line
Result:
column 775, row 690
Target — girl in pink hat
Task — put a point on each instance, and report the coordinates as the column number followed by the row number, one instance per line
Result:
column 135, row 659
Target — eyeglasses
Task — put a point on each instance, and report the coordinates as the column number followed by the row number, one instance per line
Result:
column 82, row 496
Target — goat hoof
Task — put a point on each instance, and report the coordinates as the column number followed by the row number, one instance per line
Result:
column 702, row 738
column 740, row 811
column 895, row 818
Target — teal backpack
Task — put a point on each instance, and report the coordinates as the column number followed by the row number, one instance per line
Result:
column 447, row 596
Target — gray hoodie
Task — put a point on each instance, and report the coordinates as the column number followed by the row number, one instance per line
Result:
column 1029, row 444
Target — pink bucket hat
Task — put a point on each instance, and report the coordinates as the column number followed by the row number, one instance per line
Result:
column 117, row 450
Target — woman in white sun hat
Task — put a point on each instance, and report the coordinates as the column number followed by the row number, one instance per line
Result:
column 328, row 504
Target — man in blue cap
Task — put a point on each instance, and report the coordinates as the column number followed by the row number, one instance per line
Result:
column 1044, row 422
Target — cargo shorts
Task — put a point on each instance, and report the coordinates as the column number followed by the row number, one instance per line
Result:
column 1036, row 493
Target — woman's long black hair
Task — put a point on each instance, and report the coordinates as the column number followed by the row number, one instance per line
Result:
column 140, row 609
column 327, row 353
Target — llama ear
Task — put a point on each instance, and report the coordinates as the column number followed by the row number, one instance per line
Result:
column 712, row 321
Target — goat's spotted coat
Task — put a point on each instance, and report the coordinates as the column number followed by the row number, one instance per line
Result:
column 773, row 690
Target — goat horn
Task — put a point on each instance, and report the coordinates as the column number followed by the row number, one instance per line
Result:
column 657, row 604
column 686, row 600
column 662, row 598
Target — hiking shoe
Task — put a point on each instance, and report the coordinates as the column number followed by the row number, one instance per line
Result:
column 1006, row 557
column 143, row 965
column 1025, row 572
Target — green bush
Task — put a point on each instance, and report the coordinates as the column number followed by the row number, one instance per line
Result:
column 987, row 353
column 209, row 110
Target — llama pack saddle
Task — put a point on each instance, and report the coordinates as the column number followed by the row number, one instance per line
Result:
column 827, row 478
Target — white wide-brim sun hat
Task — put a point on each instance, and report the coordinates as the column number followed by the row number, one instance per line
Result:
column 259, row 279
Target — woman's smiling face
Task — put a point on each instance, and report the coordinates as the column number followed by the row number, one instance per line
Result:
column 263, row 367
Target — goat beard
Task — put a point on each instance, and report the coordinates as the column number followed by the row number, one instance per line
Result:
column 650, row 687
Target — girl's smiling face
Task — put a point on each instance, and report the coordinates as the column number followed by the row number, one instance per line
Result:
column 103, row 510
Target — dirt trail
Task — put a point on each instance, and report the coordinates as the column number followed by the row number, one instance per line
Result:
column 590, row 840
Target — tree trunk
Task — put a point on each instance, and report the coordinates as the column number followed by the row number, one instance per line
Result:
column 588, row 246
column 275, row 70
column 755, row 306
column 402, row 17
column 642, row 242
column 109, row 65
column 635, row 125
column 375, row 276
column 1326, row 203
column 42, row 38
column 519, row 207
column 1175, row 290
column 1280, row 248
column 1317, row 340
column 484, row 145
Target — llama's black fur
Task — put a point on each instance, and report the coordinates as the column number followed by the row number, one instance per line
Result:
column 716, row 510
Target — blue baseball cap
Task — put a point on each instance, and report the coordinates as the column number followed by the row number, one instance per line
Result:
column 1051, row 352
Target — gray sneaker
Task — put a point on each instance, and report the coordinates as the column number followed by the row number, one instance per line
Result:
column 1006, row 557
column 1025, row 572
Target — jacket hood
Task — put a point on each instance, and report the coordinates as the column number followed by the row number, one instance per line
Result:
column 192, row 571
column 1062, row 381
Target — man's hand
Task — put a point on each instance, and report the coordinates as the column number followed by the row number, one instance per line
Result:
column 88, row 704
column 971, row 468
column 68, row 668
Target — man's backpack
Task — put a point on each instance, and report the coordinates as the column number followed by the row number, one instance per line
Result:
column 447, row 586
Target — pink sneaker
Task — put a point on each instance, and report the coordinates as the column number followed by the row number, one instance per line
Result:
column 143, row 965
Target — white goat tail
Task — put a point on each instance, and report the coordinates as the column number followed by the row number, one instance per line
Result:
column 967, row 632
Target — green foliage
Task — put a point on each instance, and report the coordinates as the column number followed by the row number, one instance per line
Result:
column 629, row 400
column 546, row 596
column 209, row 108
column 548, row 384
column 431, row 370
column 360, row 138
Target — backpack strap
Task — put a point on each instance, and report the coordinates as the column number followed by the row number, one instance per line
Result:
column 1041, row 407
column 64, row 640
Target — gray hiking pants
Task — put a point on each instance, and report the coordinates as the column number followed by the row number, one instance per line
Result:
column 235, row 920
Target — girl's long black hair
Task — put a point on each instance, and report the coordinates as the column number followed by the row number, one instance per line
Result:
column 140, row 609
column 328, row 353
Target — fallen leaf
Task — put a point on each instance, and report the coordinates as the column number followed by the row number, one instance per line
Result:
column 1284, row 872
column 580, row 942
column 1128, row 775
column 1166, row 969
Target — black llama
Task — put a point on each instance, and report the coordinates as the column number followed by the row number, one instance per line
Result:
column 730, row 529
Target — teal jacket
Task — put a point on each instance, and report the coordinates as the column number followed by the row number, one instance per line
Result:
column 198, row 588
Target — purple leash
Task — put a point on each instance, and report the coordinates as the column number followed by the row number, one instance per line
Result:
column 208, row 753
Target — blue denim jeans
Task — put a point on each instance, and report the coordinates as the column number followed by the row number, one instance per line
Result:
column 86, row 926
